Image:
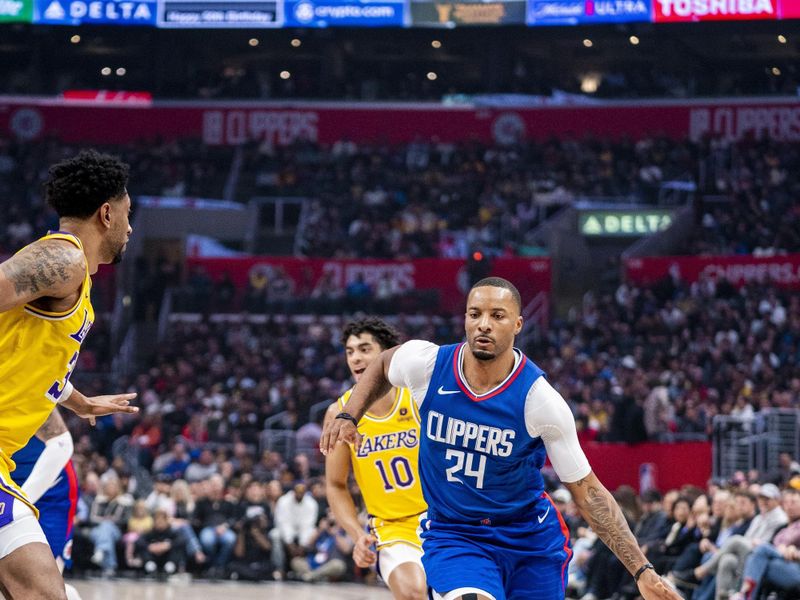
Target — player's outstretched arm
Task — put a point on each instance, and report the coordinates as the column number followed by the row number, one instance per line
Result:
column 49, row 268
column 97, row 406
column 337, row 475
column 601, row 511
column 374, row 383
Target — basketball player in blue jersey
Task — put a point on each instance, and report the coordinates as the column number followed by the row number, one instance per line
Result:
column 46, row 474
column 489, row 420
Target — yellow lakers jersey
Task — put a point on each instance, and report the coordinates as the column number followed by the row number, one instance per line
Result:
column 38, row 351
column 385, row 465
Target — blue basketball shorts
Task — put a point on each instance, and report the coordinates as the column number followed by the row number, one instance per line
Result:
column 525, row 559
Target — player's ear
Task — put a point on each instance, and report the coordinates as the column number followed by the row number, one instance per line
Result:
column 105, row 214
column 518, row 326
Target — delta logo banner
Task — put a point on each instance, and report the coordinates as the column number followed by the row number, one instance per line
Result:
column 77, row 12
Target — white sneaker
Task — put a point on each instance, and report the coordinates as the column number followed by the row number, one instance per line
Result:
column 97, row 557
column 169, row 567
column 150, row 566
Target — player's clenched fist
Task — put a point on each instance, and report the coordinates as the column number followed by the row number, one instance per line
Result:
column 338, row 430
column 363, row 555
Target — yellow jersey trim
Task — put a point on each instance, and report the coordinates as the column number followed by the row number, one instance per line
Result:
column 397, row 397
column 51, row 316
column 381, row 545
column 372, row 417
column 57, row 316
column 16, row 494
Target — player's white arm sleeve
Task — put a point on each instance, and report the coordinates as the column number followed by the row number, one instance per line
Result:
column 57, row 452
column 548, row 416
column 66, row 392
column 412, row 367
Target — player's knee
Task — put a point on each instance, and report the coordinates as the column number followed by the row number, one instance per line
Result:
column 412, row 591
column 49, row 591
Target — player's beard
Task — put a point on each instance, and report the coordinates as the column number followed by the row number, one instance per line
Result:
column 483, row 355
column 116, row 253
column 118, row 256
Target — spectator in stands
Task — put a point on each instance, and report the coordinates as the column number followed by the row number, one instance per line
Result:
column 214, row 517
column 295, row 519
column 680, row 534
column 139, row 523
column 203, row 468
column 788, row 468
column 653, row 526
column 324, row 555
column 253, row 500
column 252, row 553
column 778, row 558
column 269, row 467
column 720, row 574
column 182, row 517
column 160, row 498
column 174, row 463
column 109, row 515
column 746, row 509
column 160, row 549
column 195, row 433
column 146, row 435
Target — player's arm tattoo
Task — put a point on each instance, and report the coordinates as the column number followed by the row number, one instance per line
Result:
column 605, row 517
column 53, row 426
column 43, row 267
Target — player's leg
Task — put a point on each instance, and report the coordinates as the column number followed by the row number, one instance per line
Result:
column 30, row 572
column 400, row 566
column 27, row 567
column 72, row 593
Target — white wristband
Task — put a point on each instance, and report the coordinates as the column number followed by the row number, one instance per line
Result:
column 68, row 389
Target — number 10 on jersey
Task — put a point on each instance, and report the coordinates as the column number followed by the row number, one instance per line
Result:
column 401, row 474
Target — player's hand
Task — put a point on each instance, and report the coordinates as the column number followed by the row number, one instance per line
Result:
column 363, row 555
column 99, row 406
column 338, row 430
column 654, row 587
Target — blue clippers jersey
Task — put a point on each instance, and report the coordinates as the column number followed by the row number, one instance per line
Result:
column 25, row 458
column 477, row 460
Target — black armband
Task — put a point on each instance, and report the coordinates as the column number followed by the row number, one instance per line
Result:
column 641, row 570
column 347, row 417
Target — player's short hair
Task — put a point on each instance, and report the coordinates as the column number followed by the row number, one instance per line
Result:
column 78, row 186
column 386, row 335
column 501, row 283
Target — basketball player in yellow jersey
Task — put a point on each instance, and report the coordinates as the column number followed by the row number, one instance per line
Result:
column 385, row 468
column 45, row 314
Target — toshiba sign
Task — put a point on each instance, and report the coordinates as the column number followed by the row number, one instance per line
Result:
column 671, row 11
